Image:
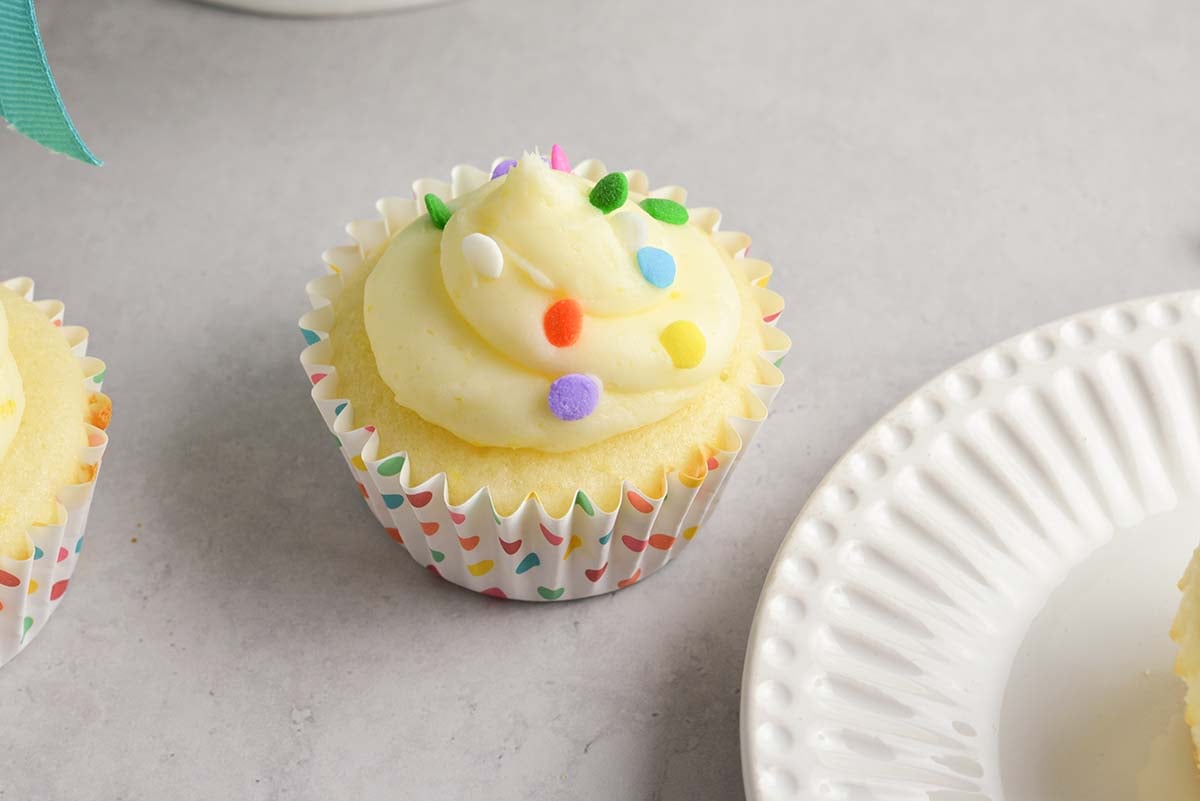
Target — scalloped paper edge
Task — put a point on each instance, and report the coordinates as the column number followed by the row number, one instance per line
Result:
column 32, row 589
column 529, row 554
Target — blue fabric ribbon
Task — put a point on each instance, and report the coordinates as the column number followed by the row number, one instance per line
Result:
column 29, row 99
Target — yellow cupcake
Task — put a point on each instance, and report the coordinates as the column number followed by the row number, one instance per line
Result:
column 52, row 417
column 456, row 367
column 44, row 410
column 1186, row 632
column 540, row 378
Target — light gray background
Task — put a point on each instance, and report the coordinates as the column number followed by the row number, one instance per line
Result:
column 927, row 177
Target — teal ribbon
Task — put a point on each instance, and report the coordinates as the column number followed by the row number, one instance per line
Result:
column 29, row 99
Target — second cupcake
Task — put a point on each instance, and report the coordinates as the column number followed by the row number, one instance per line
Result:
column 540, row 377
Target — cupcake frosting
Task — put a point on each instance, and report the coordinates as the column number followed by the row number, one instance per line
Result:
column 12, row 391
column 546, row 311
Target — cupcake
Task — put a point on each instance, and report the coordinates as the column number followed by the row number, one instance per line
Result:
column 540, row 377
column 1186, row 632
column 52, row 421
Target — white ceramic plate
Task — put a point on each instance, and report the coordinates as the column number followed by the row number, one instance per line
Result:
column 974, row 605
column 320, row 7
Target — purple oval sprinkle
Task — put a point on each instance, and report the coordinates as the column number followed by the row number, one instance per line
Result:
column 503, row 167
column 573, row 396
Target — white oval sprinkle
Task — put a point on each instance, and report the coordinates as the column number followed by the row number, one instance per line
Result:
column 631, row 228
column 483, row 254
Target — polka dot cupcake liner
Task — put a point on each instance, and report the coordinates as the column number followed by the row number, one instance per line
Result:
column 31, row 589
column 528, row 555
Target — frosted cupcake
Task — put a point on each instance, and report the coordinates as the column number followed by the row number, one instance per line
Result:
column 52, row 417
column 541, row 376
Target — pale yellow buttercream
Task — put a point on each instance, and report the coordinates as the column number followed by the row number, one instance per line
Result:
column 12, row 391
column 43, row 456
column 467, row 352
column 680, row 442
column 1186, row 632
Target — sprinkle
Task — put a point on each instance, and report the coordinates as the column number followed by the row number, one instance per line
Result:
column 684, row 343
column 610, row 192
column 632, row 229
column 657, row 266
column 563, row 323
column 438, row 213
column 573, row 396
column 483, row 254
column 503, row 167
column 558, row 159
column 667, row 211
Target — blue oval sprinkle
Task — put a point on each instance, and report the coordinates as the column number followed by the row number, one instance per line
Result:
column 38, row 553
column 657, row 266
column 310, row 336
column 393, row 501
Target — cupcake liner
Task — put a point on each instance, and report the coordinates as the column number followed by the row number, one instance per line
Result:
column 528, row 555
column 31, row 589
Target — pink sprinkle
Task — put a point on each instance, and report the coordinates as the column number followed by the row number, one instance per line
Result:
column 558, row 159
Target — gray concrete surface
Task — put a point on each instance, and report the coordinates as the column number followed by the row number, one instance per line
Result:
column 928, row 178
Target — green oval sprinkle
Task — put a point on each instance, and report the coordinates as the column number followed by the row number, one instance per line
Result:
column 439, row 215
column 610, row 192
column 664, row 210
column 585, row 503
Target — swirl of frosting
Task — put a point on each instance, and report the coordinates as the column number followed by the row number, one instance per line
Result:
column 12, row 390
column 537, row 319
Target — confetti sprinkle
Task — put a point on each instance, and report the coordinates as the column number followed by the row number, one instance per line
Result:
column 503, row 167
column 610, row 192
column 657, row 266
column 438, row 213
column 573, row 396
column 664, row 210
column 684, row 342
column 483, row 254
column 558, row 159
column 563, row 323
column 631, row 228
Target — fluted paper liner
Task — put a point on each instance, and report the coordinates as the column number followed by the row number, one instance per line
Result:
column 528, row 555
column 31, row 589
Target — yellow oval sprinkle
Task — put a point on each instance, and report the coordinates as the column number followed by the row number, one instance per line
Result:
column 689, row 532
column 684, row 342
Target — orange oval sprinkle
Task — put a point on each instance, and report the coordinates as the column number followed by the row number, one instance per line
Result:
column 563, row 323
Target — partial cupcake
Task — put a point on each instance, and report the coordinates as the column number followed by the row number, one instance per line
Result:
column 1186, row 632
column 541, row 376
column 52, row 421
